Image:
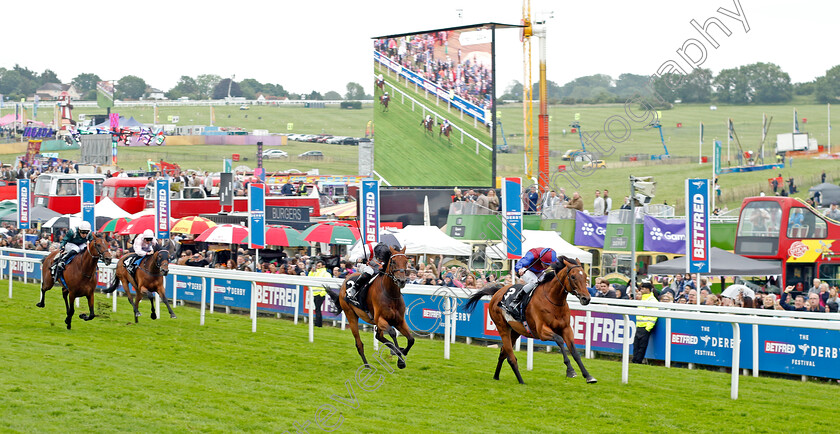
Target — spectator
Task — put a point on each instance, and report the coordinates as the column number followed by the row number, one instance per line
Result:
column 493, row 200
column 666, row 298
column 692, row 296
column 197, row 260
column 533, row 198
column 626, row 204
column 831, row 301
column 598, row 206
column 814, row 303
column 712, row 300
column 458, row 197
column 644, row 324
column 604, row 289
column 816, row 288
column 798, row 303
column 470, row 282
column 607, row 202
column 576, row 202
column 833, row 212
column 318, row 292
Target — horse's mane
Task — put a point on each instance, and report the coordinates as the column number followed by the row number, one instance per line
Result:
column 557, row 266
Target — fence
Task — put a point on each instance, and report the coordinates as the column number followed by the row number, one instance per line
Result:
column 797, row 343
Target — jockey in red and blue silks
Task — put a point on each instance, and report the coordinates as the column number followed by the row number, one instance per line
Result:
column 376, row 257
column 530, row 268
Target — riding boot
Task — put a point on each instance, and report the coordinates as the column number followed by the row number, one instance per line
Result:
column 513, row 304
column 359, row 291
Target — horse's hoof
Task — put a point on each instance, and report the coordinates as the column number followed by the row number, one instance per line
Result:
column 173, row 316
column 400, row 364
column 137, row 314
column 571, row 374
column 83, row 316
column 154, row 315
column 39, row 304
column 591, row 380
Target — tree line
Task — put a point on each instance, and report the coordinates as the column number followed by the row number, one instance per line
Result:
column 20, row 82
column 757, row 83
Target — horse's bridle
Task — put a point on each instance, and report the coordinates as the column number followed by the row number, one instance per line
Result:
column 99, row 252
column 390, row 273
column 568, row 272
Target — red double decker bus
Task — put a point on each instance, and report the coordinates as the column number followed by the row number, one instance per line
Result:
column 62, row 192
column 128, row 193
column 796, row 235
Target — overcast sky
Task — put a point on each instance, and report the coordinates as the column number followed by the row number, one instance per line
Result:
column 322, row 45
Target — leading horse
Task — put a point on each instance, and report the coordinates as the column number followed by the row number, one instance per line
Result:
column 383, row 101
column 427, row 125
column 78, row 278
column 547, row 315
column 148, row 279
column 445, row 130
column 386, row 304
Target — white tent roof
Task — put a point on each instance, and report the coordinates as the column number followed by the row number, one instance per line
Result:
column 419, row 240
column 107, row 208
column 550, row 239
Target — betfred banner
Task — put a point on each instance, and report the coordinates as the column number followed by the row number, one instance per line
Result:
column 88, row 200
column 590, row 230
column 370, row 210
column 256, row 215
column 697, row 245
column 162, row 209
column 512, row 206
column 23, row 204
column 667, row 236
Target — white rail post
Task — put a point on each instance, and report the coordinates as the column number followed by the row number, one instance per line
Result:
column 343, row 320
column 588, row 338
column 736, row 358
column 447, row 326
column 253, row 307
column 114, row 300
column 203, row 299
column 519, row 343
column 175, row 292
column 667, row 342
column 530, row 363
column 454, row 316
column 625, row 352
column 157, row 304
column 10, row 278
column 755, row 343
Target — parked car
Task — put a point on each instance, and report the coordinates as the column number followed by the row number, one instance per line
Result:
column 335, row 140
column 323, row 139
column 274, row 153
column 312, row 155
column 571, row 153
column 595, row 164
column 350, row 141
column 244, row 107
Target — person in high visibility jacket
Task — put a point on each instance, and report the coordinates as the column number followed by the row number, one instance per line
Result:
column 644, row 324
column 318, row 292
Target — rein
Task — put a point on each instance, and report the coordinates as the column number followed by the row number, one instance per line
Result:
column 545, row 294
column 388, row 268
column 159, row 273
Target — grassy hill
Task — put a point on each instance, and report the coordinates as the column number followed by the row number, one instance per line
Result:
column 172, row 375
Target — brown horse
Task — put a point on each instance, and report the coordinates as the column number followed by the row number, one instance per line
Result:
column 78, row 278
column 547, row 315
column 445, row 130
column 427, row 125
column 383, row 101
column 386, row 305
column 148, row 280
column 380, row 84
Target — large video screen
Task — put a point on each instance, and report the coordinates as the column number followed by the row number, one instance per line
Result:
column 433, row 106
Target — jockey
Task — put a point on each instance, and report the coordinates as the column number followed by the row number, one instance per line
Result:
column 74, row 241
column 144, row 244
column 375, row 258
column 386, row 96
column 531, row 268
column 428, row 119
column 445, row 124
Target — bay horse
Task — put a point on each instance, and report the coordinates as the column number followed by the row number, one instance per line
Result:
column 78, row 278
column 383, row 101
column 386, row 305
column 380, row 84
column 547, row 315
column 445, row 130
column 427, row 125
column 148, row 279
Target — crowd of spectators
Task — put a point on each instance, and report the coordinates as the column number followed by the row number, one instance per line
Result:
column 469, row 78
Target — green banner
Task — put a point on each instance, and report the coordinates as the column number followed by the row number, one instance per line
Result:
column 717, row 157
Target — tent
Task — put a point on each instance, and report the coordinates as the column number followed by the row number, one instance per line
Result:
column 723, row 264
column 419, row 240
column 829, row 193
column 125, row 123
column 36, row 214
column 107, row 208
column 532, row 239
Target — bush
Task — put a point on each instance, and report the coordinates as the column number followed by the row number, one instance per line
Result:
column 351, row 105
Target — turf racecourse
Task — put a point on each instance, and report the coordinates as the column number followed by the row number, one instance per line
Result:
column 172, row 375
column 406, row 155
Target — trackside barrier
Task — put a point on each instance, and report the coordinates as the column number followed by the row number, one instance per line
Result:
column 796, row 343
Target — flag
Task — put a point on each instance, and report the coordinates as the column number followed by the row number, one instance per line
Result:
column 212, row 115
column 590, row 230
column 731, row 130
column 666, row 236
column 795, row 121
column 701, row 132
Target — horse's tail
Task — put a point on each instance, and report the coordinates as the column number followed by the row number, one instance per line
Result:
column 333, row 294
column 487, row 290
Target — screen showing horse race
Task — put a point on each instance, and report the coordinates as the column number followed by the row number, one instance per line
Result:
column 433, row 105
